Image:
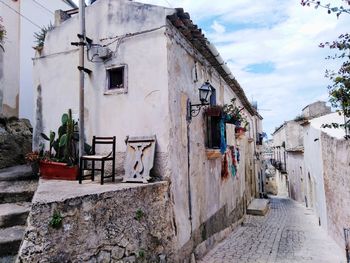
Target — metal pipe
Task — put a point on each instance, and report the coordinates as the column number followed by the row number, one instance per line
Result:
column 81, row 77
column 189, row 171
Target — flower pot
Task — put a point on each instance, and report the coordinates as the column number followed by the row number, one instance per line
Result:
column 214, row 111
column 58, row 171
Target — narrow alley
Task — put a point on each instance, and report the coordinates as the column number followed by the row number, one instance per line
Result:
column 288, row 233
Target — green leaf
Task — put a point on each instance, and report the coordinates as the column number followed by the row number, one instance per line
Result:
column 63, row 140
column 64, row 118
column 52, row 136
column 44, row 136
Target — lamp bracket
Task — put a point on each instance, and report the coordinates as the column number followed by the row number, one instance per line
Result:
column 193, row 110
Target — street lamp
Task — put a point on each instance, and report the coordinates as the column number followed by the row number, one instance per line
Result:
column 204, row 93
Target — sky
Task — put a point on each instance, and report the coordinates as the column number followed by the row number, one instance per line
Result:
column 271, row 47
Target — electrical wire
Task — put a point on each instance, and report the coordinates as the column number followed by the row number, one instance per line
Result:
column 26, row 18
column 44, row 7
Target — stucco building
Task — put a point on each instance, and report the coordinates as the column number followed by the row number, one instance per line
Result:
column 147, row 62
column 21, row 19
column 316, row 171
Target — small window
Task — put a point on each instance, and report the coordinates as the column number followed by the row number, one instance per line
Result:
column 116, row 80
column 213, row 132
column 213, row 97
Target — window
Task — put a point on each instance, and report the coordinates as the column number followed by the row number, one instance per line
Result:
column 213, row 132
column 116, row 80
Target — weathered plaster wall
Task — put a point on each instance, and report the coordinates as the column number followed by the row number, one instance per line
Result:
column 121, row 225
column 143, row 110
column 204, row 203
column 9, row 71
column 336, row 163
column 313, row 163
column 295, row 168
column 316, row 109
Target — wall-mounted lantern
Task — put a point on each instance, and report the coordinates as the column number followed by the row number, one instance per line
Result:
column 204, row 94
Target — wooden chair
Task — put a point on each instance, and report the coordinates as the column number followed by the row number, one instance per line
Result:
column 98, row 158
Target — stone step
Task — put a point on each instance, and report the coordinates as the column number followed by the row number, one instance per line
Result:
column 8, row 259
column 16, row 173
column 14, row 214
column 10, row 240
column 17, row 191
column 258, row 207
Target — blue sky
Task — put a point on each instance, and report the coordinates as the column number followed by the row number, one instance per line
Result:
column 272, row 49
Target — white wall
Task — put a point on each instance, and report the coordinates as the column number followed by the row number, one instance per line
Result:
column 43, row 18
column 142, row 110
column 9, row 79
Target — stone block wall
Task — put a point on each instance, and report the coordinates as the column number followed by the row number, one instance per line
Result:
column 133, row 224
column 336, row 165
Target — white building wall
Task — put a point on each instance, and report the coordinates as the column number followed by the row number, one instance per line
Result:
column 16, row 78
column 42, row 16
column 143, row 110
column 10, row 59
column 314, row 168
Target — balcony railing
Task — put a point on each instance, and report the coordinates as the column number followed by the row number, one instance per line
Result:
column 279, row 165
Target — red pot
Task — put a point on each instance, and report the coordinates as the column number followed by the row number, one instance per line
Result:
column 240, row 131
column 58, row 171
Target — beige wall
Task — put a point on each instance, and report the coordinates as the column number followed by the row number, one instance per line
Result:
column 209, row 193
column 336, row 160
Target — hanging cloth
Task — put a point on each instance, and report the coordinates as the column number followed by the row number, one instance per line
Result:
column 222, row 137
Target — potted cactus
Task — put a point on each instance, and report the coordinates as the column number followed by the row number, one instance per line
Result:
column 60, row 162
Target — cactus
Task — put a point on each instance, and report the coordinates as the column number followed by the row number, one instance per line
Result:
column 65, row 145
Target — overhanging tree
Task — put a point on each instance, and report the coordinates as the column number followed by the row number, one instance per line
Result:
column 339, row 90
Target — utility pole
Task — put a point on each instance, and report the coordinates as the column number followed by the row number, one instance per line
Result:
column 81, row 75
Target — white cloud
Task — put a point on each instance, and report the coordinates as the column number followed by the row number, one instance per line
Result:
column 218, row 28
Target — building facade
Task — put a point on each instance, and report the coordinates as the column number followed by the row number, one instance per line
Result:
column 21, row 19
column 147, row 63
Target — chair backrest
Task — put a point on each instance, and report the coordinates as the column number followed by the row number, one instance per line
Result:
column 103, row 140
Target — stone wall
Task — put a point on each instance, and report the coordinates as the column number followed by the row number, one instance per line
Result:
column 15, row 141
column 133, row 223
column 336, row 163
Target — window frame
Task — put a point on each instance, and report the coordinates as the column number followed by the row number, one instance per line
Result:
column 107, row 90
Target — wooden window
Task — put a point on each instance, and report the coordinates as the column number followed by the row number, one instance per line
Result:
column 213, row 132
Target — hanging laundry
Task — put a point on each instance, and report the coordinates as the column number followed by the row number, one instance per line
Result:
column 222, row 137
column 224, row 168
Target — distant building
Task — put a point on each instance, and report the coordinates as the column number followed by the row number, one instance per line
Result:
column 315, row 166
column 21, row 19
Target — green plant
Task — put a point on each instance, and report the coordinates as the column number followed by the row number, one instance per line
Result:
column 139, row 214
column 40, row 36
column 56, row 220
column 65, row 146
column 141, row 254
column 233, row 114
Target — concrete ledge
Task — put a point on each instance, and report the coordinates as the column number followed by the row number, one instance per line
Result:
column 99, row 223
column 258, row 207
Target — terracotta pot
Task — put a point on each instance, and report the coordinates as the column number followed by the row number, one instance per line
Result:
column 213, row 111
column 58, row 171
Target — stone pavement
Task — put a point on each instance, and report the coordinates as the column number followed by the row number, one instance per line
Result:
column 288, row 233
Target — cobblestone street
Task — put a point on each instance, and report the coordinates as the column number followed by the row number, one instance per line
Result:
column 288, row 233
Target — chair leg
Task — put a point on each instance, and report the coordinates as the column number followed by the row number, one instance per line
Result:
column 113, row 171
column 81, row 170
column 102, row 171
column 93, row 171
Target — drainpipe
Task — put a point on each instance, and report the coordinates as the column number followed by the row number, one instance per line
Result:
column 189, row 174
column 81, row 76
